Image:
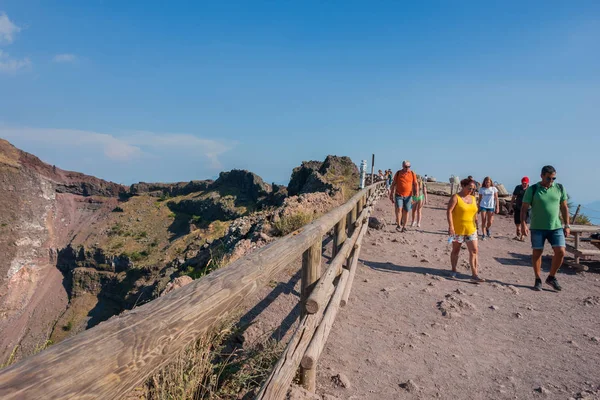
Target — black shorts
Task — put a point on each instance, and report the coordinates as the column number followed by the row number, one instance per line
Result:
column 517, row 216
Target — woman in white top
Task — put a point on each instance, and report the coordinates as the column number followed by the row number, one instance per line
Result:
column 488, row 205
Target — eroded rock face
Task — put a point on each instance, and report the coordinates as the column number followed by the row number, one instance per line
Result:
column 91, row 188
column 235, row 194
column 301, row 174
column 169, row 189
column 63, row 237
column 329, row 176
column 245, row 184
column 70, row 258
column 211, row 207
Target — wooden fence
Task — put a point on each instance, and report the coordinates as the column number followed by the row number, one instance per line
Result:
column 109, row 360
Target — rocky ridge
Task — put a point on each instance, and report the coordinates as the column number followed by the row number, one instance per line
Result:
column 89, row 249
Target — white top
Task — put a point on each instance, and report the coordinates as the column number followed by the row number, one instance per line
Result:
column 487, row 197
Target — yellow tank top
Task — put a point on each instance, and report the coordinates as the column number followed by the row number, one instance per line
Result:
column 463, row 217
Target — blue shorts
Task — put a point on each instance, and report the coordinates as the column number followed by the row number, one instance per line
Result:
column 404, row 202
column 555, row 237
column 484, row 209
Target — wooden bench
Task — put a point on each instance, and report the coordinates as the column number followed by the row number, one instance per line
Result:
column 578, row 252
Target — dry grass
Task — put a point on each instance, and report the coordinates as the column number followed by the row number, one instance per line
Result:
column 215, row 367
column 191, row 375
column 12, row 358
column 348, row 191
column 288, row 224
column 8, row 154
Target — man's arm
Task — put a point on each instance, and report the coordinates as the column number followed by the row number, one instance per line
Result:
column 524, row 228
column 564, row 210
column 393, row 189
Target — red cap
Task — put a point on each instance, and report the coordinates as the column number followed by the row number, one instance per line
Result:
column 525, row 180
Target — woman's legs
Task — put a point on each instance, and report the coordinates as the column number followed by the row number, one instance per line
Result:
column 419, row 212
column 414, row 213
column 454, row 255
column 483, row 222
column 490, row 221
column 473, row 260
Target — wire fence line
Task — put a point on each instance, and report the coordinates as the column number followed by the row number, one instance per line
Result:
column 590, row 209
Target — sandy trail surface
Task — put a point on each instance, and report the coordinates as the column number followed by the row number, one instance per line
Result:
column 410, row 332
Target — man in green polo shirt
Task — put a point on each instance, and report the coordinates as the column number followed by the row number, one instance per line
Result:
column 548, row 200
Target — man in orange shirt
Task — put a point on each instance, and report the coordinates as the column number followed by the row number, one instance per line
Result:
column 403, row 188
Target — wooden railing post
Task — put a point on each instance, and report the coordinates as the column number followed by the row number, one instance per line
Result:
column 311, row 272
column 361, row 204
column 351, row 219
column 324, row 298
column 339, row 236
column 352, row 216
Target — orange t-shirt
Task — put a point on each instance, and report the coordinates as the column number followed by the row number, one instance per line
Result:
column 404, row 182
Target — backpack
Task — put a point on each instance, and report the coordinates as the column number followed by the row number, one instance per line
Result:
column 534, row 189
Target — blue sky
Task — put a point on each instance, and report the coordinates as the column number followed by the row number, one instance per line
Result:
column 173, row 91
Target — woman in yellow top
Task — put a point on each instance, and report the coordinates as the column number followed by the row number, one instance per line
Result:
column 462, row 226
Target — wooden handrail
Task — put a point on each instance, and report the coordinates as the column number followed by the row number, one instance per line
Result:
column 109, row 360
column 307, row 342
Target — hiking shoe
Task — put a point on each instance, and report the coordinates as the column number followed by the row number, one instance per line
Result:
column 538, row 285
column 551, row 280
column 489, row 234
column 477, row 279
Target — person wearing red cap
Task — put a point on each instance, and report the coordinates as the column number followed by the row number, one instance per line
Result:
column 517, row 202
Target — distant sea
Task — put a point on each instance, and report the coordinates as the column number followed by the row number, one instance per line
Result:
column 592, row 210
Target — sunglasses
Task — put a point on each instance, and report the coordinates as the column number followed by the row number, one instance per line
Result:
column 550, row 179
column 407, row 166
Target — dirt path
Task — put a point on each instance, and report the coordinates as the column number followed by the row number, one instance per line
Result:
column 455, row 340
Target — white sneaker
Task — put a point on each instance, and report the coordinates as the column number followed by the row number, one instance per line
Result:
column 418, row 225
column 413, row 224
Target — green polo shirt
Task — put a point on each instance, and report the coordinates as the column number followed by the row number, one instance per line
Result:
column 545, row 206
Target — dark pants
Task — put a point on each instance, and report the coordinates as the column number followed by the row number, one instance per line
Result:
column 517, row 216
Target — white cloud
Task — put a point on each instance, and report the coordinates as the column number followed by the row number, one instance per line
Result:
column 12, row 65
column 209, row 148
column 8, row 30
column 112, row 148
column 65, row 58
column 135, row 146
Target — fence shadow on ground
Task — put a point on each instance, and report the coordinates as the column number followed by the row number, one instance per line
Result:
column 281, row 288
column 441, row 232
column 284, row 288
column 524, row 260
column 393, row 268
column 390, row 267
column 515, row 259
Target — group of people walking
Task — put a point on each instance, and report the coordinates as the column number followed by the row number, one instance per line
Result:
column 543, row 205
column 408, row 192
column 547, row 202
